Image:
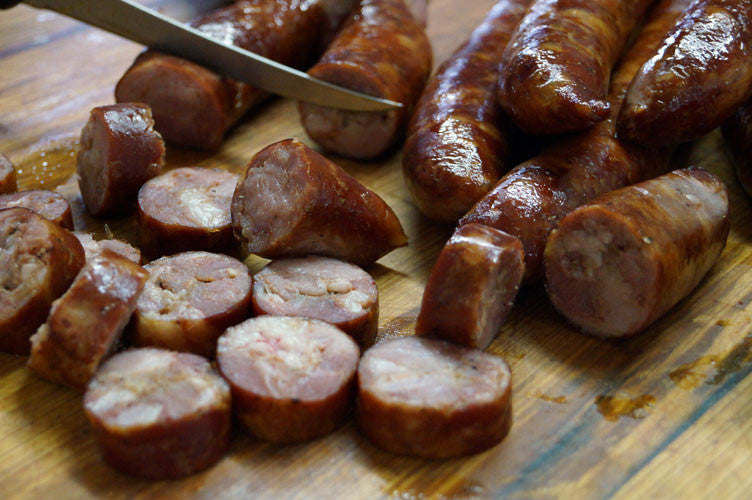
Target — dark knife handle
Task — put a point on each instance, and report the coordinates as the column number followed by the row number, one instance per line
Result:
column 5, row 4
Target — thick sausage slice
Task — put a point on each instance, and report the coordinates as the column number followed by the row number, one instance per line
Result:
column 159, row 414
column 555, row 71
column 93, row 247
column 187, row 209
column 456, row 147
column 433, row 399
column 48, row 204
column 7, row 176
column 38, row 261
column 382, row 50
column 333, row 291
column 120, row 150
column 737, row 131
column 293, row 202
column 472, row 286
column 85, row 324
column 698, row 77
column 292, row 379
column 617, row 264
column 189, row 300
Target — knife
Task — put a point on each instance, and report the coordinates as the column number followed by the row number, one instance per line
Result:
column 133, row 21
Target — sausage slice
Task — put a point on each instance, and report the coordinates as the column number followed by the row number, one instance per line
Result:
column 50, row 205
column 7, row 175
column 94, row 247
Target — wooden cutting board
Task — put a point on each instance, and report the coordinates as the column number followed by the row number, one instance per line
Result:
column 665, row 414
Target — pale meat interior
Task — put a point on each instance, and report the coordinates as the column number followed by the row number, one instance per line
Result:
column 21, row 271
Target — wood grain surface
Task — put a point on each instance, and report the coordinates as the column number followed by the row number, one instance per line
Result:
column 665, row 414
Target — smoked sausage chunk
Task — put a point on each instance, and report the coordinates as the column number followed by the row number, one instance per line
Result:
column 94, row 247
column 48, row 204
column 7, row 176
column 737, row 132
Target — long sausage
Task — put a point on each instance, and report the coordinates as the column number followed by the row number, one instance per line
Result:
column 8, row 182
column 737, row 131
column 48, row 204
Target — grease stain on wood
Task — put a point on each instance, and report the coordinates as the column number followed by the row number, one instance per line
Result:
column 713, row 368
column 551, row 399
column 615, row 407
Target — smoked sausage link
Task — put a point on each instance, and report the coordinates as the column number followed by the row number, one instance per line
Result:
column 8, row 182
column 737, row 132
column 432, row 399
column 48, row 204
column 617, row 264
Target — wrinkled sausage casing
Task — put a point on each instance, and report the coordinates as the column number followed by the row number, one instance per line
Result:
column 555, row 71
column 617, row 264
column 92, row 247
column 194, row 106
column 8, row 182
column 293, row 202
column 382, row 50
column 38, row 261
column 698, row 77
column 456, row 149
column 50, row 205
column 737, row 131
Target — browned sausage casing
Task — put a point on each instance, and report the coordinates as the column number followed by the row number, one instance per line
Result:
column 383, row 51
column 554, row 76
column 698, row 77
column 433, row 399
column 456, row 149
column 737, row 131
column 159, row 414
column 7, row 176
column 38, row 261
column 93, row 247
column 617, row 264
column 194, row 106
column 532, row 197
column 293, row 202
column 85, row 324
column 50, row 205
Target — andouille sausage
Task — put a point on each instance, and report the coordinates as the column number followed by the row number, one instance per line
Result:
column 293, row 202
column 456, row 148
column 93, row 247
column 333, row 291
column 292, row 379
column 159, row 414
column 432, row 399
column 737, row 132
column 554, row 75
column 187, row 209
column 616, row 264
column 472, row 286
column 699, row 75
column 189, row 300
column 532, row 197
column 85, row 324
column 382, row 50
column 8, row 182
column 38, row 261
column 50, row 205
column 194, row 106
column 120, row 150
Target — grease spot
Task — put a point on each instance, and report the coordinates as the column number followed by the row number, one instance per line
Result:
column 713, row 368
column 615, row 407
column 560, row 400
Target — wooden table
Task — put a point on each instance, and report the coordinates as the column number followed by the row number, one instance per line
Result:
column 665, row 414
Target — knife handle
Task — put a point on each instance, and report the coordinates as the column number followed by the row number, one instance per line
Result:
column 7, row 4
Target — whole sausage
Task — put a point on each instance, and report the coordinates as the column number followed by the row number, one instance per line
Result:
column 194, row 106
column 699, row 75
column 293, row 202
column 333, row 291
column 50, row 205
column 554, row 76
column 616, row 264
column 92, row 247
column 189, row 300
column 159, row 414
column 382, row 50
column 456, row 148
column 432, row 399
column 120, row 150
column 472, row 286
column 532, row 197
column 292, row 379
column 7, row 176
column 38, row 261
column 737, row 131
column 187, row 209
column 85, row 324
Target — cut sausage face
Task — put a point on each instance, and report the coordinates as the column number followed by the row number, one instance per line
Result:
column 51, row 206
column 7, row 176
column 95, row 247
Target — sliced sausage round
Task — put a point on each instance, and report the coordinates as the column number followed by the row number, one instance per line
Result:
column 94, row 247
column 159, row 414
column 8, row 182
column 432, row 399
column 292, row 379
column 48, row 204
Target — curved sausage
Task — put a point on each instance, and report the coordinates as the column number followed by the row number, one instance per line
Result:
column 293, row 202
column 737, row 131
column 382, row 50
column 456, row 148
column 617, row 264
column 698, row 77
column 554, row 76
column 432, row 399
column 7, row 176
column 50, row 205
column 120, row 150
column 92, row 248
column 333, row 291
column 38, row 261
column 194, row 106
column 159, row 414
column 292, row 379
column 85, row 324
column 189, row 300
column 472, row 286
column 187, row 209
